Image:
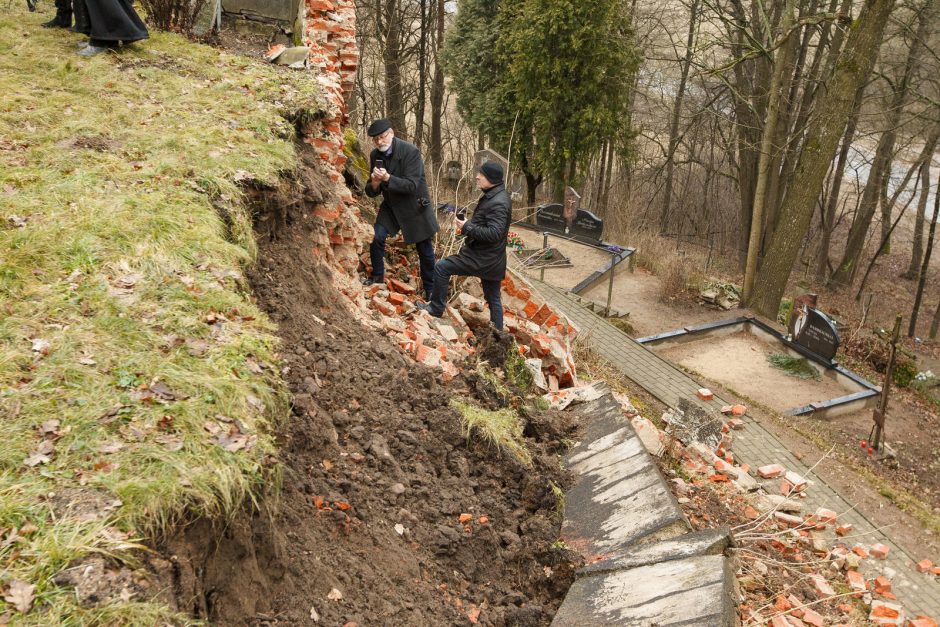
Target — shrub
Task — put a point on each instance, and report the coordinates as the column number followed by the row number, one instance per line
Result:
column 173, row 15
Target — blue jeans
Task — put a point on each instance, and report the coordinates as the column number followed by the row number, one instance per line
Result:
column 451, row 266
column 425, row 258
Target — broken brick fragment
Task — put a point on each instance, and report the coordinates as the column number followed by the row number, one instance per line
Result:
column 530, row 309
column 882, row 584
column 923, row 566
column 880, row 609
column 771, row 471
column 856, row 580
column 826, row 515
column 843, row 529
column 811, row 617
column 396, row 298
column 705, row 394
column 402, row 288
column 879, row 550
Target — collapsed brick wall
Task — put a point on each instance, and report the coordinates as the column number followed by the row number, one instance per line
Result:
column 544, row 339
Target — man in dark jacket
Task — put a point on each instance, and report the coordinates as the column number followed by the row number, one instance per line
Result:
column 484, row 251
column 397, row 172
column 108, row 23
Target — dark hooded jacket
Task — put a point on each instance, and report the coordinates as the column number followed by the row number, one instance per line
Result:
column 484, row 251
column 406, row 202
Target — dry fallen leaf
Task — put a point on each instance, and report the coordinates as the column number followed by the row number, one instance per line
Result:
column 49, row 426
column 46, row 447
column 35, row 459
column 253, row 366
column 41, row 346
column 334, row 595
column 20, row 594
column 170, row 442
column 327, row 464
column 163, row 391
column 111, row 447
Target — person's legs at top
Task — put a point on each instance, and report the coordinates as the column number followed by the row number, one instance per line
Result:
column 377, row 254
column 443, row 270
column 493, row 297
column 426, row 259
column 63, row 15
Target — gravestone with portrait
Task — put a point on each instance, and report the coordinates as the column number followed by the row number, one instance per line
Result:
column 812, row 329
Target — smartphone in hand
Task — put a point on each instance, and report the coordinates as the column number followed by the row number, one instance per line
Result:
column 379, row 163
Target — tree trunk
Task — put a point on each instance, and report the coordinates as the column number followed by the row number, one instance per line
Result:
column 391, row 57
column 676, row 116
column 422, row 73
column 437, row 91
column 832, row 202
column 881, row 166
column 917, row 252
column 822, row 138
column 747, row 111
column 766, row 157
column 922, row 280
column 935, row 323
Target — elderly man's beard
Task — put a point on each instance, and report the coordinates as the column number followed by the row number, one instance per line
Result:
column 385, row 147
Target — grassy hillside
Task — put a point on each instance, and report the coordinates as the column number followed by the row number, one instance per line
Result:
column 136, row 377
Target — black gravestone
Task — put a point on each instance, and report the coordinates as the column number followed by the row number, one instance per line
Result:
column 817, row 333
column 551, row 218
column 588, row 225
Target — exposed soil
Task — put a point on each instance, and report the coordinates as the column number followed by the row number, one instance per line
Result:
column 740, row 362
column 373, row 444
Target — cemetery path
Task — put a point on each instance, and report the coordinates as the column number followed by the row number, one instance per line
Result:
column 756, row 445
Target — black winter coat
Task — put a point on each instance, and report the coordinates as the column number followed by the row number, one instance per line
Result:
column 111, row 20
column 406, row 202
column 484, row 250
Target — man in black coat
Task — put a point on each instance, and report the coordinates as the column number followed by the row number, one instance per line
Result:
column 108, row 23
column 397, row 173
column 484, row 251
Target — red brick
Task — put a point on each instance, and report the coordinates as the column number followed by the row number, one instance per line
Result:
column 782, row 604
column 843, row 529
column 327, row 213
column 880, row 609
column 383, row 305
column 402, row 288
column 738, row 410
column 823, row 589
column 543, row 314
column 430, row 357
column 923, row 566
column 396, row 298
column 788, row 519
column 826, row 515
column 812, row 618
column 786, row 488
column 750, row 513
column 705, row 394
column 879, row 550
column 859, row 550
column 921, row 621
column 856, row 580
column 779, row 621
column 935, row 570
column 882, row 584
column 530, row 309
column 771, row 470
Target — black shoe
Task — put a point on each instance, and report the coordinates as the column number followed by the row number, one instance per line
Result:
column 59, row 21
column 373, row 281
column 427, row 307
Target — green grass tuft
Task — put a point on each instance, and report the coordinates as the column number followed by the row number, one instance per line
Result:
column 501, row 429
column 113, row 258
column 794, row 366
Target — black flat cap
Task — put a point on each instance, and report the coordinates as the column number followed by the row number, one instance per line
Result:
column 493, row 172
column 378, row 127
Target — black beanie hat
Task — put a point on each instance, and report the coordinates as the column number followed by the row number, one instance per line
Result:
column 378, row 127
column 493, row 172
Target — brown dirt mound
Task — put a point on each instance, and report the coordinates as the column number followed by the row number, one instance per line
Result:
column 377, row 476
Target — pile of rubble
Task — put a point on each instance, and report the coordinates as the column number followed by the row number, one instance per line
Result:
column 543, row 337
column 816, row 544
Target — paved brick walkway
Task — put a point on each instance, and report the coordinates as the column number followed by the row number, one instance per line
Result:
column 753, row 445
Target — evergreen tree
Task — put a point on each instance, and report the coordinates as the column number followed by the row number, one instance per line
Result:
column 573, row 63
column 550, row 76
